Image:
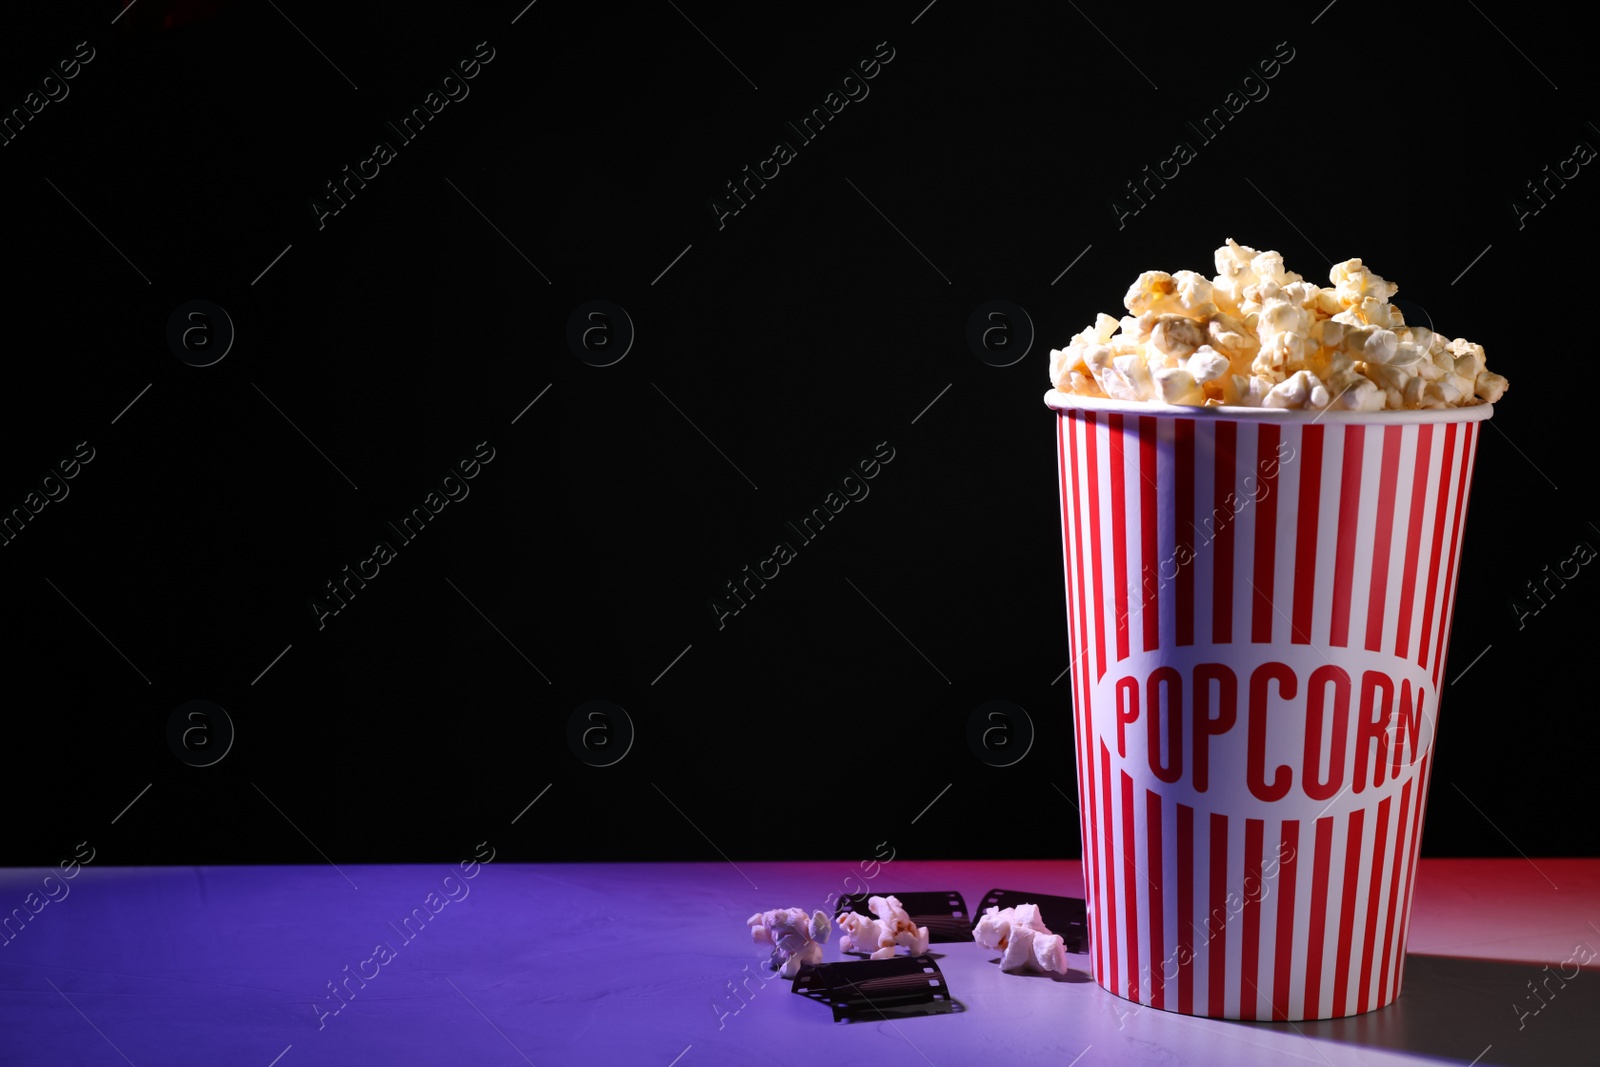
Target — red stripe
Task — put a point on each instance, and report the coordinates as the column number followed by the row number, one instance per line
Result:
column 1222, row 567
column 1111, row 877
column 1442, row 506
column 1305, row 556
column 1217, row 941
column 1447, row 609
column 1389, row 928
column 1130, row 888
column 1119, row 531
column 1408, row 581
column 1186, row 909
column 1250, row 942
column 1317, row 935
column 1288, row 872
column 1183, row 477
column 1097, row 902
column 1374, row 890
column 1266, row 546
column 1347, row 913
column 1087, row 712
column 1069, row 527
column 1084, row 721
column 1092, row 473
column 1149, row 524
column 1345, row 543
column 1068, row 506
column 1378, row 590
column 1158, row 898
column 1411, row 874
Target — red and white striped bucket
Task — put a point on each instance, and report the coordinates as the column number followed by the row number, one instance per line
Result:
column 1259, row 606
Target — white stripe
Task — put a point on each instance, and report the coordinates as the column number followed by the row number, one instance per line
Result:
column 1405, row 859
column 1386, row 932
column 1286, row 494
column 1172, row 932
column 1202, row 535
column 1137, row 888
column 1267, row 910
column 1305, row 859
column 1198, row 923
column 1469, row 436
column 1287, row 498
column 1137, row 563
column 1144, row 895
column 1104, row 563
column 1332, row 947
column 1246, row 507
column 1436, row 607
column 1234, row 938
column 1398, row 561
column 1400, row 967
column 1366, row 521
column 1108, row 545
column 1430, row 499
column 1109, row 850
column 1327, row 536
column 1358, row 927
column 1127, row 888
column 1453, row 544
column 1167, row 533
column 1368, row 965
column 1375, row 965
column 1133, row 533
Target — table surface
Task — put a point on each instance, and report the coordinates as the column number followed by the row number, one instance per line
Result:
column 637, row 963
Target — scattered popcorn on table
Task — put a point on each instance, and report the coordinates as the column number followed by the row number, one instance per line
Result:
column 880, row 935
column 1024, row 939
column 1257, row 335
column 796, row 938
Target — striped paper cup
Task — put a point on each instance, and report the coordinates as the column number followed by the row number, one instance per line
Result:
column 1259, row 606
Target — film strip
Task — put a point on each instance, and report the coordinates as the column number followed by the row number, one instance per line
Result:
column 1067, row 916
column 943, row 913
column 869, row 990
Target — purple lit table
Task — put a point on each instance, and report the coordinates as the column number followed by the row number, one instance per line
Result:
column 637, row 963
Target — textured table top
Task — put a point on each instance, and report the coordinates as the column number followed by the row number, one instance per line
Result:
column 640, row 963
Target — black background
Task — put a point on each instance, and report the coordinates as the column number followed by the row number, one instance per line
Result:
column 819, row 321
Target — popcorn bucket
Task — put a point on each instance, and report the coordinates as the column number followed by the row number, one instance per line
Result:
column 1259, row 605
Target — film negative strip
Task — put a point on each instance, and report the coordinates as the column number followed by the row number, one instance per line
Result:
column 868, row 990
column 943, row 913
column 1067, row 916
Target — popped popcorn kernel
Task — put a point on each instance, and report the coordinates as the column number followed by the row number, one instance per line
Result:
column 795, row 937
column 1259, row 335
column 879, row 935
column 1022, row 937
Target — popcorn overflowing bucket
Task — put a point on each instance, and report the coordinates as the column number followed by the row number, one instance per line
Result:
column 1259, row 604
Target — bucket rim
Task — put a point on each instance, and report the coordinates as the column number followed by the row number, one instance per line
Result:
column 1065, row 402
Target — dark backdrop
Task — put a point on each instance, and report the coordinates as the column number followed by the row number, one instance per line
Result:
column 772, row 349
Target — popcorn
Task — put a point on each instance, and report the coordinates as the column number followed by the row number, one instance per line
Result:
column 795, row 938
column 1022, row 936
column 1258, row 335
column 1299, row 390
column 1177, row 336
column 1174, row 385
column 1490, row 386
column 879, row 936
column 1207, row 365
